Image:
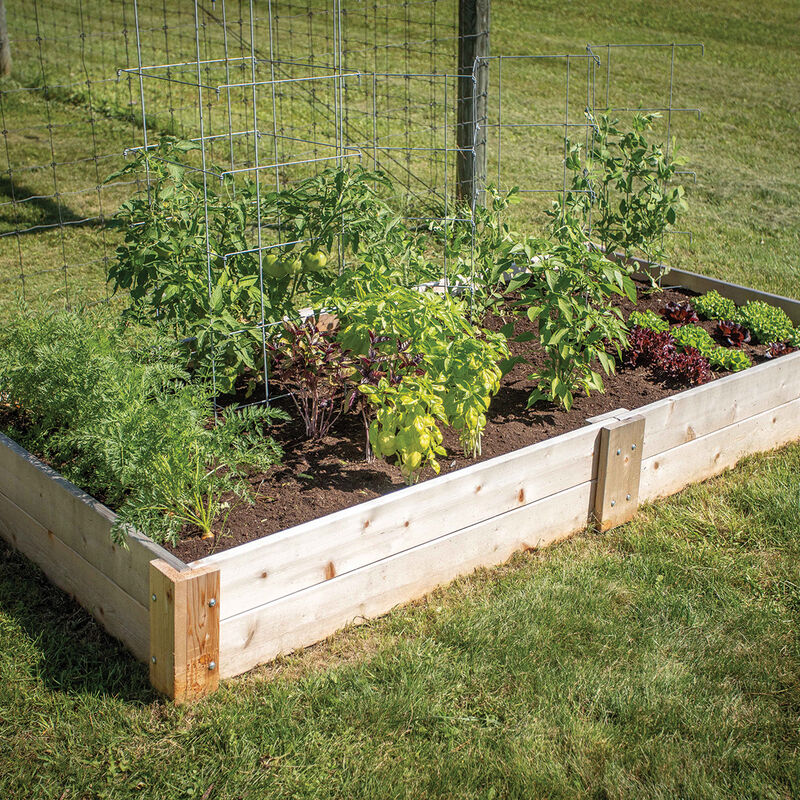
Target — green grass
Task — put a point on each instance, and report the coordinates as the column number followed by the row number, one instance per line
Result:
column 744, row 208
column 660, row 660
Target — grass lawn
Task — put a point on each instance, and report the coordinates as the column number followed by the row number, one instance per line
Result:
column 660, row 660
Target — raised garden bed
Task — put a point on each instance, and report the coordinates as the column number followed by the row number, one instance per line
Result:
column 225, row 613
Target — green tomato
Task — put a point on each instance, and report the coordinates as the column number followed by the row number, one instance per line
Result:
column 273, row 266
column 295, row 266
column 315, row 261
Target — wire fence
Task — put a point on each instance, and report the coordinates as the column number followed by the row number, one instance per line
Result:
column 93, row 78
column 279, row 90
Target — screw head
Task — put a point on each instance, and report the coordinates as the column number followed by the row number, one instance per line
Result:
column 619, row 451
column 613, row 503
column 154, row 598
column 633, row 447
column 627, row 497
column 212, row 665
column 212, row 602
column 153, row 659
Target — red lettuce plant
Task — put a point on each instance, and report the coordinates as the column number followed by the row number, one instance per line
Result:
column 777, row 349
column 687, row 367
column 659, row 351
column 680, row 313
column 647, row 347
column 734, row 333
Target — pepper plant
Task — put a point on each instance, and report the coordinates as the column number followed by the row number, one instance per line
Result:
column 568, row 296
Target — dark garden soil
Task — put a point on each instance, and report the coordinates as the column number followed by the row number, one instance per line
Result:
column 318, row 478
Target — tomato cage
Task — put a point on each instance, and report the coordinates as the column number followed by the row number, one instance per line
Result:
column 264, row 117
column 270, row 95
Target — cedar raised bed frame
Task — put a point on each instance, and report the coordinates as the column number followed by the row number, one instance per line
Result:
column 229, row 612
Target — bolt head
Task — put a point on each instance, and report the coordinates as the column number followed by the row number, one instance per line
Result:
column 153, row 659
column 633, row 447
column 212, row 602
column 619, row 451
column 212, row 665
column 613, row 503
column 627, row 497
column 154, row 598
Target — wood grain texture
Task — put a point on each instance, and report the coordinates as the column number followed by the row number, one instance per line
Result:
column 694, row 413
column 184, row 631
column 306, row 617
column 294, row 559
column 116, row 611
column 80, row 521
column 619, row 465
column 668, row 472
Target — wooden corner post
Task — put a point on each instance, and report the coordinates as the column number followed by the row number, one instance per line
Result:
column 184, row 631
column 473, row 90
column 619, row 467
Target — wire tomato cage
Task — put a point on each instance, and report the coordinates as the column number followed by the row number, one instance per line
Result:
column 274, row 93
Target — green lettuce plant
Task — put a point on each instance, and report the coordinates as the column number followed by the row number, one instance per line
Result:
column 648, row 319
column 720, row 358
column 712, row 305
column 766, row 322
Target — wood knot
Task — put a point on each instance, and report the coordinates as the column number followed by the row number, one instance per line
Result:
column 330, row 571
column 521, row 496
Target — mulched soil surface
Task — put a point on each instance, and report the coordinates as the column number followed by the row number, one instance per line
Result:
column 318, row 478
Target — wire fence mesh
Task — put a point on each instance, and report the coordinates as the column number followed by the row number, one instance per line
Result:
column 279, row 90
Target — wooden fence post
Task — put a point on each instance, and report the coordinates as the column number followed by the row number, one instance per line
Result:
column 619, row 467
column 471, row 102
column 184, row 631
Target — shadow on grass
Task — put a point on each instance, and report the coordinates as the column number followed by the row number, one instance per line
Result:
column 32, row 209
column 76, row 656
